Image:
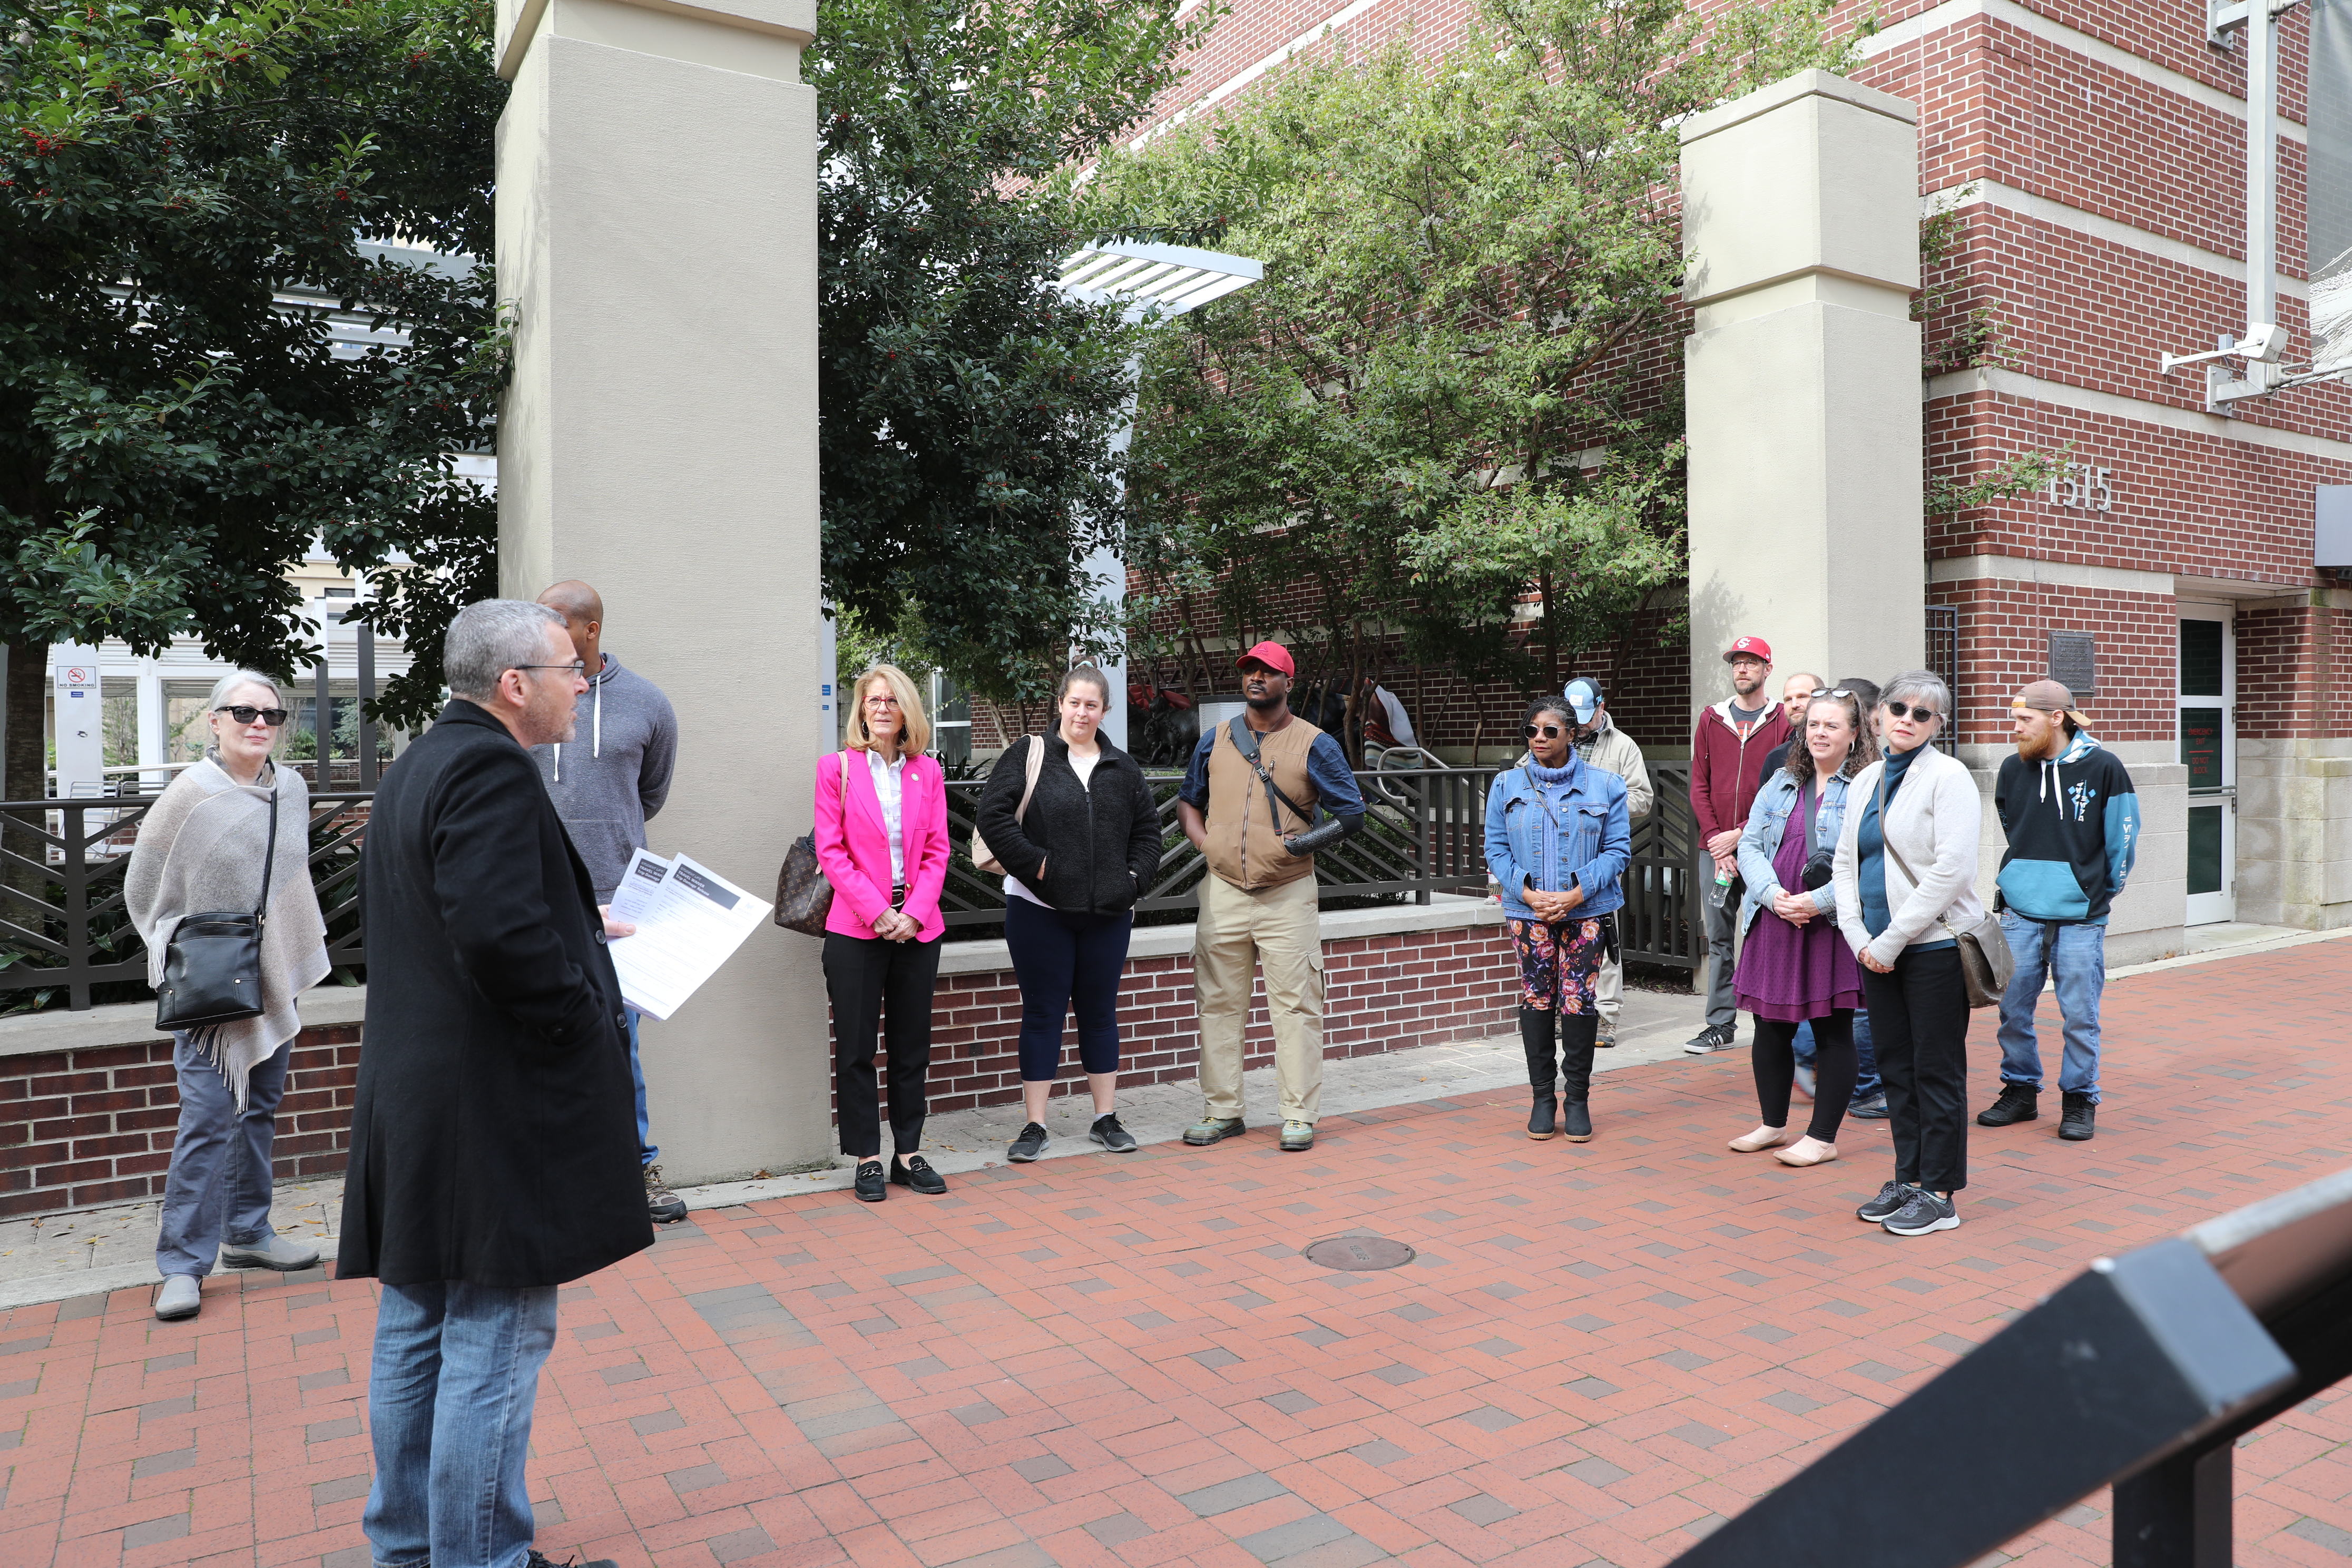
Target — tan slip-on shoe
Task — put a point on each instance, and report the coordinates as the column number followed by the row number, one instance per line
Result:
column 1762, row 1138
column 1806, row 1151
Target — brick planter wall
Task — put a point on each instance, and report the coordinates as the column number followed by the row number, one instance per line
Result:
column 1383, row 992
column 95, row 1125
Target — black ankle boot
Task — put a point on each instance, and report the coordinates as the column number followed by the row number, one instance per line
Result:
column 1539, row 1119
column 1575, row 1122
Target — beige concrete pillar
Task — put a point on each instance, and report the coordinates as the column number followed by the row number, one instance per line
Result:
column 656, row 242
column 1801, row 220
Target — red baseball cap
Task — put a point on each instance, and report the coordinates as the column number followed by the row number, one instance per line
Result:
column 1754, row 648
column 1271, row 655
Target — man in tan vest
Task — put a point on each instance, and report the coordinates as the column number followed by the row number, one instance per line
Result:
column 1248, row 804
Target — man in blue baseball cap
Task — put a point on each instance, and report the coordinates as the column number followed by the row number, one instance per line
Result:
column 1600, row 742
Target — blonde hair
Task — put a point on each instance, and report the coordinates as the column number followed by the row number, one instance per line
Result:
column 916, row 727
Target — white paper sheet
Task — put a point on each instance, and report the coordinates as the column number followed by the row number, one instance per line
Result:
column 690, row 919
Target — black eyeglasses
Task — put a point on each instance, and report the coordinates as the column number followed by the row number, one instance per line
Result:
column 1918, row 711
column 1547, row 731
column 273, row 717
column 577, row 667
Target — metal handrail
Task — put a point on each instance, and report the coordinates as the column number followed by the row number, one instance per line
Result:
column 63, row 924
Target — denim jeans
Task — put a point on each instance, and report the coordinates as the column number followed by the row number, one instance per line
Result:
column 2079, row 961
column 450, row 1394
column 1866, row 1084
column 646, row 1152
column 220, row 1178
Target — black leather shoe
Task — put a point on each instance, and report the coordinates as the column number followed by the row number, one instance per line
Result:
column 2018, row 1102
column 1575, row 1122
column 916, row 1172
column 1539, row 1119
column 872, row 1185
column 2077, row 1122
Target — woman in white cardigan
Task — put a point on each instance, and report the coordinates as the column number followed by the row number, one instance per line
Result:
column 1905, row 874
column 202, row 846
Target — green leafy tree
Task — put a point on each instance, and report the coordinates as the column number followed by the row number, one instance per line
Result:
column 1467, row 257
column 967, row 407
column 172, row 431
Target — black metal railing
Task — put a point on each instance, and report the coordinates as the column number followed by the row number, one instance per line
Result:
column 65, row 938
column 1424, row 834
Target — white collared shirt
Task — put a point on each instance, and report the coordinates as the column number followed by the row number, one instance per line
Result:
column 889, row 784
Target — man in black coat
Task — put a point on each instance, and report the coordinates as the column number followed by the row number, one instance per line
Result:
column 494, row 1144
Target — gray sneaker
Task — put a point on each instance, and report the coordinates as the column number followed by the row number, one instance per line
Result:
column 275, row 1253
column 1107, row 1132
column 1028, row 1145
column 183, row 1296
column 1921, row 1213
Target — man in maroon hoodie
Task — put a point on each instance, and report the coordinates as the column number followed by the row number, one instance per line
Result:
column 1728, row 753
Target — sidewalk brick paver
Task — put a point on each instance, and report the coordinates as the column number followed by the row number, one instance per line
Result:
column 1599, row 1354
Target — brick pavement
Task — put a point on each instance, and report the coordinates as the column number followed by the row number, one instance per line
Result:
column 1599, row 1352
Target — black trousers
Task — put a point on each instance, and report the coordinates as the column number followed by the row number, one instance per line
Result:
column 876, row 985
column 1919, row 1028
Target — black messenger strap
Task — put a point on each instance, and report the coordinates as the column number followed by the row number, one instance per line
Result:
column 1245, row 742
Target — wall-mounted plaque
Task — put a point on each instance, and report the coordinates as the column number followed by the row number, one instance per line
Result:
column 2075, row 662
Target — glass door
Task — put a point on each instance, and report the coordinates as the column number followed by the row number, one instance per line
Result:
column 2209, row 748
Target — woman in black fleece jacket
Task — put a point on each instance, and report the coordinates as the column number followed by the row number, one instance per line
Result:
column 1075, row 861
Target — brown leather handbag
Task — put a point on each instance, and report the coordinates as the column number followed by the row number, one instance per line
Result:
column 804, row 898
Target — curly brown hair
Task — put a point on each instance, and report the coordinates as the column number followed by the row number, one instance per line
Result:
column 1863, row 752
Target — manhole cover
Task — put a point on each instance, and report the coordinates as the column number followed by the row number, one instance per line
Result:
column 1357, row 1252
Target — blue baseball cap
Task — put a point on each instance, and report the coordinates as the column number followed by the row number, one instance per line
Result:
column 1585, row 696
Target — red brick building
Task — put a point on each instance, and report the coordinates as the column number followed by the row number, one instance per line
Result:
column 2093, row 153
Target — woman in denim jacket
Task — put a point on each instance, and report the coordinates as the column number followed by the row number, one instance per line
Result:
column 1796, row 965
column 1557, row 843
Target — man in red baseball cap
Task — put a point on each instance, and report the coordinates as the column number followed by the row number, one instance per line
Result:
column 1248, row 803
column 1728, row 753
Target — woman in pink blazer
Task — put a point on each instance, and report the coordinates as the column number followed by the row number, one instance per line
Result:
column 882, row 838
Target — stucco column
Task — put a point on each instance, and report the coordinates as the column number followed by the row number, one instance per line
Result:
column 656, row 242
column 1801, row 220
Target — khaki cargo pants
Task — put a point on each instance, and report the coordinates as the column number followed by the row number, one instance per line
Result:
column 1238, row 930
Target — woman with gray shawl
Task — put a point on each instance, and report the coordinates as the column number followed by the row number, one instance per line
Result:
column 201, row 849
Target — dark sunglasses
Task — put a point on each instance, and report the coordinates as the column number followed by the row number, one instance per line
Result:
column 1918, row 711
column 274, row 717
column 1547, row 730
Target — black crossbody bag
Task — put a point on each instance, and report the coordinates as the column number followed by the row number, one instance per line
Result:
column 212, row 970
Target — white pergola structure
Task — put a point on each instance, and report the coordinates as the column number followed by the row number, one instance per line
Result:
column 1150, row 282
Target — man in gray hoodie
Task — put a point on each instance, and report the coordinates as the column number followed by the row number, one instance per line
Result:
column 606, row 780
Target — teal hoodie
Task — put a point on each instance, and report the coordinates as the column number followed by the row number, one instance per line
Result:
column 2073, row 825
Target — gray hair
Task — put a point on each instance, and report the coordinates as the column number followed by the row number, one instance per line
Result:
column 1914, row 686
column 490, row 637
column 237, row 678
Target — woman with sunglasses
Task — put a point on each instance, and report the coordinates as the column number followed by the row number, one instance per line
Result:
column 1558, row 840
column 1794, row 967
column 1905, row 875
column 202, row 847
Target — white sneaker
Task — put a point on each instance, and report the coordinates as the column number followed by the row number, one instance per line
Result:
column 275, row 1253
column 183, row 1296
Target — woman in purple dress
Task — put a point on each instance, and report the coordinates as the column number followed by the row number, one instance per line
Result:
column 1796, row 967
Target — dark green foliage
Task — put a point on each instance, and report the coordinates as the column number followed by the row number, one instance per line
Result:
column 171, row 438
column 967, row 406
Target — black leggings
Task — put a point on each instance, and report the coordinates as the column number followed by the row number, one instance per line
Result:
column 1774, row 1059
column 1067, row 961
